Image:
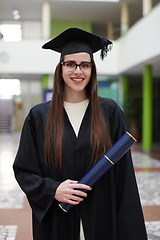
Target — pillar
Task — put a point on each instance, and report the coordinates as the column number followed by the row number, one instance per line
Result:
column 44, row 86
column 146, row 6
column 147, row 111
column 110, row 30
column 125, row 87
column 125, row 22
column 46, row 20
column 45, row 81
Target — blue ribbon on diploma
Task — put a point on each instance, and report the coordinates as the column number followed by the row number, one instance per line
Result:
column 123, row 144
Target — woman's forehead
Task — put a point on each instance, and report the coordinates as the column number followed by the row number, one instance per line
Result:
column 82, row 56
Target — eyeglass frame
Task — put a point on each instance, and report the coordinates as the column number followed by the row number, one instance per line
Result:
column 78, row 65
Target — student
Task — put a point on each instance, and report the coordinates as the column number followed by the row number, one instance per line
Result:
column 61, row 139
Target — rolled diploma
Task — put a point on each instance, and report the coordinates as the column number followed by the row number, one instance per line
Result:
column 123, row 144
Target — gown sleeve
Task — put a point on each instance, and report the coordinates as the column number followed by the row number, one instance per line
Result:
column 29, row 173
column 130, row 220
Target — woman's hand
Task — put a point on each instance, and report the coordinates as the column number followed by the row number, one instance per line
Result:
column 68, row 191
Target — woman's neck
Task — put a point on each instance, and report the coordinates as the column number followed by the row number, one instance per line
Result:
column 75, row 97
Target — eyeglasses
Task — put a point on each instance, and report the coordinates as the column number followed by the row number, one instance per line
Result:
column 71, row 66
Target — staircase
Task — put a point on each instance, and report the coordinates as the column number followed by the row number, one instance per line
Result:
column 5, row 115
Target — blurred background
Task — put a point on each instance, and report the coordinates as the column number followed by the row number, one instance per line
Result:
column 130, row 75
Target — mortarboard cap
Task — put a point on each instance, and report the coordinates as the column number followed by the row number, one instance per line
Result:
column 75, row 40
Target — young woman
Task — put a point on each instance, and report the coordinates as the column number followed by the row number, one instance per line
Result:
column 63, row 138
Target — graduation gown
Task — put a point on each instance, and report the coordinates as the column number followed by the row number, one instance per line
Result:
column 111, row 211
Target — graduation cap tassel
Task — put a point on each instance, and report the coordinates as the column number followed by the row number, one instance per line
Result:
column 106, row 46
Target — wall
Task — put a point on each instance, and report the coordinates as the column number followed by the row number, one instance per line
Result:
column 31, row 29
column 141, row 43
column 59, row 26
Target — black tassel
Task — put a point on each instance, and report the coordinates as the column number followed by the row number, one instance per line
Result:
column 106, row 46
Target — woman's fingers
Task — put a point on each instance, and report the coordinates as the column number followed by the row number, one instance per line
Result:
column 79, row 190
column 81, row 186
column 71, row 192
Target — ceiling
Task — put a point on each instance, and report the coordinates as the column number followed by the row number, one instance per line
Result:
column 97, row 12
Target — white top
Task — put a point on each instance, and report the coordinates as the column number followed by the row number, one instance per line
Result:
column 75, row 112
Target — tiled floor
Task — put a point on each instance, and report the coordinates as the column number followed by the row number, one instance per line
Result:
column 8, row 232
column 15, row 214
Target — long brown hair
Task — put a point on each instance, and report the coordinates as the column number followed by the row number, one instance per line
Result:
column 99, row 135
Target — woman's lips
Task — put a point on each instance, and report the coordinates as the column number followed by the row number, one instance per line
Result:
column 77, row 80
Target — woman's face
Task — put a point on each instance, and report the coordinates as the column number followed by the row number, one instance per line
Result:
column 76, row 78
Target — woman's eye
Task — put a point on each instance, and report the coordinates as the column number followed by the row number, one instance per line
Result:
column 85, row 65
column 70, row 64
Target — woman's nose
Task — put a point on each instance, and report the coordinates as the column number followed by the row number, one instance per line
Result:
column 77, row 69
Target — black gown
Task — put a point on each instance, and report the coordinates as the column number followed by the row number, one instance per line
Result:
column 111, row 211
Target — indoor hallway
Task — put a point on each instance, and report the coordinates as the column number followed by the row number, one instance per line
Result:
column 15, row 213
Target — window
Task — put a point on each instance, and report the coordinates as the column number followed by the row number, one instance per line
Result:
column 11, row 32
column 9, row 88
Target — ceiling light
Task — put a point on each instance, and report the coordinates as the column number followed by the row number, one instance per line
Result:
column 16, row 14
